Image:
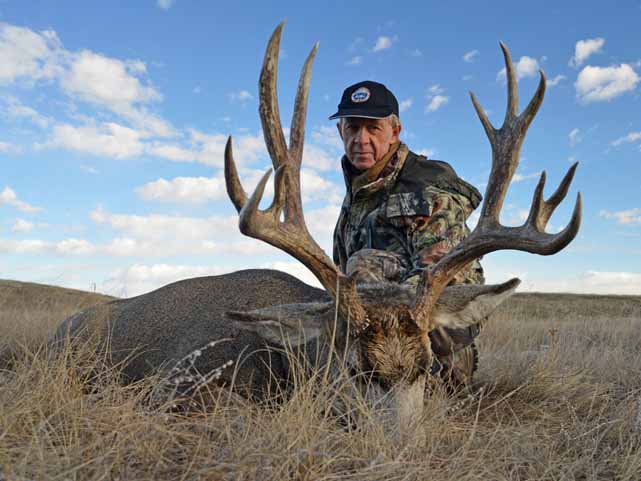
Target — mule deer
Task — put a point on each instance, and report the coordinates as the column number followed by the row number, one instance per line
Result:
column 378, row 332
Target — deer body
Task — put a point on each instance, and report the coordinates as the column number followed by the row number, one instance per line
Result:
column 151, row 333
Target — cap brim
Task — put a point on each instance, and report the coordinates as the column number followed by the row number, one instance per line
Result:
column 362, row 113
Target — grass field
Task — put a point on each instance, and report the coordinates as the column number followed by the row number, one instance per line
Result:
column 557, row 397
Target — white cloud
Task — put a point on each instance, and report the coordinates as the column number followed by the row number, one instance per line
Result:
column 158, row 226
column 596, row 84
column 35, row 246
column 106, row 81
column 183, row 189
column 27, row 54
column 436, row 102
column 469, row 56
column 148, row 123
column 241, row 96
column 435, row 98
column 138, row 279
column 17, row 110
column 518, row 177
column 210, row 148
column 110, row 83
column 575, row 137
column 315, row 187
column 328, row 135
column 22, row 226
column 296, row 269
column 23, row 246
column 429, row 153
column 525, row 67
column 9, row 148
column 321, row 223
column 168, row 235
column 625, row 217
column 631, row 137
column 89, row 169
column 473, row 219
column 514, row 217
column 110, row 139
column 554, row 81
column 382, row 43
column 584, row 48
column 405, row 104
column 356, row 60
column 165, row 4
column 175, row 152
column 590, row 282
column 416, row 53
column 9, row 197
column 75, row 247
column 318, row 158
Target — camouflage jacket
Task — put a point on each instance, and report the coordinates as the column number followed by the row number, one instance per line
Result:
column 416, row 210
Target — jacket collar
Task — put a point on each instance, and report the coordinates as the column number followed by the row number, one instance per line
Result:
column 388, row 170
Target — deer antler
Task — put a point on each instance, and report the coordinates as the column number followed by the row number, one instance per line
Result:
column 290, row 235
column 489, row 235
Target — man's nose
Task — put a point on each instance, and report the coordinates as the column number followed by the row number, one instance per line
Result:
column 362, row 136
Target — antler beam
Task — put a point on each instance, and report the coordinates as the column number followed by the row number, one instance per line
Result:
column 489, row 235
column 291, row 234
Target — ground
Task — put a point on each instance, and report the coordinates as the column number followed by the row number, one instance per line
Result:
column 557, row 396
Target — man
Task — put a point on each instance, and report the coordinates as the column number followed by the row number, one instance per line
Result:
column 401, row 212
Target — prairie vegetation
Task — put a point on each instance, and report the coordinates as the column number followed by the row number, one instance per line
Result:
column 556, row 397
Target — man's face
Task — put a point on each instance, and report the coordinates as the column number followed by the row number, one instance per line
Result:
column 367, row 140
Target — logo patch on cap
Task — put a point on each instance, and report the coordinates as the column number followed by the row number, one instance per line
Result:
column 361, row 95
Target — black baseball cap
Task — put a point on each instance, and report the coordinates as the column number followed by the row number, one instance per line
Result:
column 367, row 99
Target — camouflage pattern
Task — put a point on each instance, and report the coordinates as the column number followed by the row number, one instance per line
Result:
column 419, row 227
column 390, row 233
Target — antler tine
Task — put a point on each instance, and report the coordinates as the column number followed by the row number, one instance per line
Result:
column 269, row 113
column 235, row 189
column 252, row 219
column 506, row 141
column 489, row 235
column 533, row 107
column 487, row 125
column 541, row 210
column 512, row 89
column 291, row 234
column 297, row 132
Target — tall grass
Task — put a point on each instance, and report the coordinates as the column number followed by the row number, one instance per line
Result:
column 556, row 397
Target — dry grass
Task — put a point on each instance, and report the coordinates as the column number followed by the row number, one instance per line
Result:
column 557, row 397
column 29, row 312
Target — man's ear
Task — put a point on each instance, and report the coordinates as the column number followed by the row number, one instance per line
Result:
column 286, row 325
column 340, row 131
column 396, row 133
column 464, row 305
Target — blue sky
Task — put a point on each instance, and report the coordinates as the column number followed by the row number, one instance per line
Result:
column 114, row 120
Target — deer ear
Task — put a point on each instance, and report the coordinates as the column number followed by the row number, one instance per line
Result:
column 464, row 305
column 286, row 325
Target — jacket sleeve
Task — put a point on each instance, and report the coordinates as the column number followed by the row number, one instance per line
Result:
column 430, row 223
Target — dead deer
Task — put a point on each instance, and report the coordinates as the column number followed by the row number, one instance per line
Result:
column 378, row 333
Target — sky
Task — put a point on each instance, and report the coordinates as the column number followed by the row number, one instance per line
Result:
column 114, row 116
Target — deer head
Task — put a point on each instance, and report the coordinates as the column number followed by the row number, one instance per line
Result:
column 381, row 332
